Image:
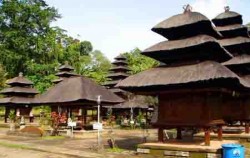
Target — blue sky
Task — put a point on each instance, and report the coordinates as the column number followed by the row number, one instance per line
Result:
column 117, row 26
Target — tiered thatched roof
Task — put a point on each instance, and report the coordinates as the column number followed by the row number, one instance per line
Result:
column 118, row 72
column 205, row 74
column 77, row 91
column 65, row 71
column 192, row 43
column 19, row 92
column 185, row 25
column 236, row 41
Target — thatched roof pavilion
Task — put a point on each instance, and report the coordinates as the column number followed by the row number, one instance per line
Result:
column 77, row 91
column 18, row 95
column 189, row 80
column 19, row 92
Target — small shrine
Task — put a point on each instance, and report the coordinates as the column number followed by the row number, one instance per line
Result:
column 118, row 72
column 18, row 96
column 133, row 104
column 75, row 97
column 192, row 83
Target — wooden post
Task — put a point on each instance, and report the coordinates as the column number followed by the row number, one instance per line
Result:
column 207, row 136
column 179, row 135
column 220, row 133
column 160, row 135
column 247, row 127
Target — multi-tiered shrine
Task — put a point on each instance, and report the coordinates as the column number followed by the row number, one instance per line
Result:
column 236, row 40
column 192, row 84
column 18, row 96
column 118, row 72
column 136, row 103
column 65, row 71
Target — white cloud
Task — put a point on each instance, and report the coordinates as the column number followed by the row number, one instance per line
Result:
column 209, row 8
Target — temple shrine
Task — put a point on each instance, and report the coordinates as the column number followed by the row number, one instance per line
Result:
column 193, row 82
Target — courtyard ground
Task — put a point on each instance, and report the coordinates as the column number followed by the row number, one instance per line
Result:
column 61, row 147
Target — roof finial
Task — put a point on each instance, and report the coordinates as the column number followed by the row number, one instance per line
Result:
column 227, row 8
column 20, row 74
column 66, row 63
column 187, row 8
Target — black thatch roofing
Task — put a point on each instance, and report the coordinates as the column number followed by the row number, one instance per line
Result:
column 15, row 100
column 118, row 75
column 227, row 18
column 66, row 67
column 241, row 59
column 119, row 68
column 120, row 62
column 19, row 90
column 78, row 90
column 201, row 47
column 239, row 64
column 137, row 101
column 111, row 83
column 65, row 74
column 185, row 25
column 237, row 45
column 20, row 80
column 117, row 91
column 233, row 30
column 120, row 57
column 162, row 78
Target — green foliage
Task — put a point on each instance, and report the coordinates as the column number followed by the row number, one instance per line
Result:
column 12, row 116
column 2, row 77
column 24, row 26
column 138, row 63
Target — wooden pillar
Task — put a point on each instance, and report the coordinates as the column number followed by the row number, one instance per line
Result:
column 7, row 111
column 220, row 132
column 85, row 116
column 207, row 136
column 247, row 127
column 160, row 135
column 179, row 135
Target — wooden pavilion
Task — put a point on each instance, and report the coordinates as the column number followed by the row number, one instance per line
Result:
column 76, row 94
column 19, row 97
column 236, row 40
column 192, row 84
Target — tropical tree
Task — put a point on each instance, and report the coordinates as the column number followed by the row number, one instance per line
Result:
column 138, row 63
column 25, row 26
column 2, row 77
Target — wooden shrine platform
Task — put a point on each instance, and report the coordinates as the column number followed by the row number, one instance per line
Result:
column 242, row 137
column 184, row 149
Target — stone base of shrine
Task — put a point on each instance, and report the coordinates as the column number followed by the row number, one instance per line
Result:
column 194, row 149
column 241, row 137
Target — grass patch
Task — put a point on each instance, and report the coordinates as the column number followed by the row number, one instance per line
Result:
column 116, row 150
column 53, row 137
column 15, row 146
